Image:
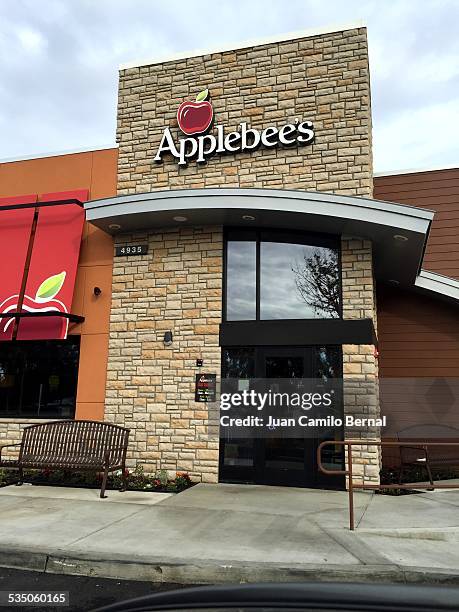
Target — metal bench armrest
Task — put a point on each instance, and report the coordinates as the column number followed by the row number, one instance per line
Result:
column 8, row 446
column 420, row 449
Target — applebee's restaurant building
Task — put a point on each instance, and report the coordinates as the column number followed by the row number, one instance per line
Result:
column 236, row 231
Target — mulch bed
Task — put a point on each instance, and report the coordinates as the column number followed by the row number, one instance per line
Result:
column 137, row 480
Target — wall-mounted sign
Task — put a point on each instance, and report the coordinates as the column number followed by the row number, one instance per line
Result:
column 195, row 119
column 131, row 249
column 205, row 388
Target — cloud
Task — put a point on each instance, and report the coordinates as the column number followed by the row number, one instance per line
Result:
column 60, row 59
column 416, row 138
column 31, row 40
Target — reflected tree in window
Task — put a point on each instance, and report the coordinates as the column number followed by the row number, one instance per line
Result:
column 238, row 363
column 317, row 282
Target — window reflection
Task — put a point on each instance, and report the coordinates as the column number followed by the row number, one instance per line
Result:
column 238, row 363
column 38, row 379
column 284, row 367
column 298, row 281
column 241, row 281
column 328, row 366
column 327, row 362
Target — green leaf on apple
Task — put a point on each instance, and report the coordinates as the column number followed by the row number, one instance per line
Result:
column 202, row 95
column 50, row 287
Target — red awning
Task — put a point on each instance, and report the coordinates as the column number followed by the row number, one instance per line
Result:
column 44, row 238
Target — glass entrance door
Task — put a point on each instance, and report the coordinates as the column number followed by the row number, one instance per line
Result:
column 277, row 460
column 283, row 460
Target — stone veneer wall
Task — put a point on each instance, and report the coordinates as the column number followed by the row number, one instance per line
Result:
column 360, row 367
column 323, row 78
column 177, row 286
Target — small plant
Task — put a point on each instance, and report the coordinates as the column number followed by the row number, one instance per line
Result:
column 182, row 481
column 136, row 480
column 162, row 477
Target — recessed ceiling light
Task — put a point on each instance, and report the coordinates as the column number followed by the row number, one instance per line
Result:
column 114, row 226
column 400, row 237
column 180, row 218
column 248, row 217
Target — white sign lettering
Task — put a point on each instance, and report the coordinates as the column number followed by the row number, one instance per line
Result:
column 203, row 146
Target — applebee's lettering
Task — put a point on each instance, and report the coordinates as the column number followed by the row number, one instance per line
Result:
column 195, row 118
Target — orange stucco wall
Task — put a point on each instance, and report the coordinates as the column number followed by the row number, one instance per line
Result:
column 97, row 172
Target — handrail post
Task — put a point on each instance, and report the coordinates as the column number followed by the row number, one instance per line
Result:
column 348, row 469
column 351, row 487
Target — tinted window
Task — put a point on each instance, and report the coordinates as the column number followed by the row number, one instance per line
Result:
column 327, row 362
column 295, row 276
column 241, row 281
column 38, row 379
column 298, row 281
column 238, row 363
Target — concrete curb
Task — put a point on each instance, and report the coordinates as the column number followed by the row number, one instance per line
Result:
column 213, row 572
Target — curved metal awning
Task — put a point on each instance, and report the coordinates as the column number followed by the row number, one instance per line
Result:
column 398, row 232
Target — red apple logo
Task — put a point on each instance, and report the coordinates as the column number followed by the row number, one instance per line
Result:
column 195, row 117
column 44, row 301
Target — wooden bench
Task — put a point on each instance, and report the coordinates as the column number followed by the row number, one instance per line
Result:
column 72, row 445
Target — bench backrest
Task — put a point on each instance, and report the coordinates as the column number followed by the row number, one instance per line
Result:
column 73, row 441
column 415, row 435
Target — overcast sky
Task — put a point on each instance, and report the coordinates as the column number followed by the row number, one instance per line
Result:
column 59, row 62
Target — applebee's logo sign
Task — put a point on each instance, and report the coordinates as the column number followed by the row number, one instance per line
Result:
column 44, row 301
column 195, row 118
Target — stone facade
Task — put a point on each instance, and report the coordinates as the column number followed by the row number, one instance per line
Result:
column 322, row 78
column 177, row 286
column 357, row 279
column 360, row 367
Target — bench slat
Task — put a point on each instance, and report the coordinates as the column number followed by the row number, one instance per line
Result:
column 74, row 443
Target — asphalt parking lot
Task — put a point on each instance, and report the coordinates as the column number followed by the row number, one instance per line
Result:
column 85, row 593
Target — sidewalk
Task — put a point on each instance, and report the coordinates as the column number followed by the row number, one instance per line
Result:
column 227, row 533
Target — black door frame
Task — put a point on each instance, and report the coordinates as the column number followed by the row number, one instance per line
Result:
column 278, row 476
column 258, row 474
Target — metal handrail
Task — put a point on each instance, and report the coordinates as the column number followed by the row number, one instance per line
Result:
column 373, row 487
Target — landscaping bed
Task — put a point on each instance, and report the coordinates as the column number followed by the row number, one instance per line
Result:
column 412, row 475
column 137, row 480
